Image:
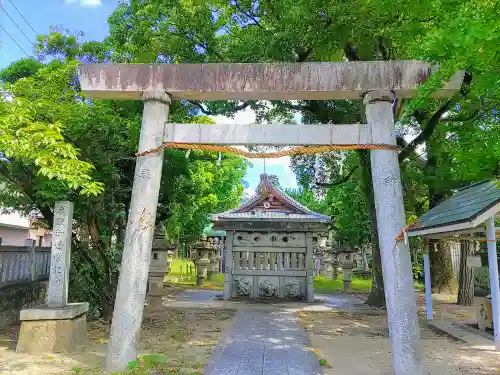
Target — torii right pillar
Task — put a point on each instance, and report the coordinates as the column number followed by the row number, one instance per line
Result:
column 396, row 263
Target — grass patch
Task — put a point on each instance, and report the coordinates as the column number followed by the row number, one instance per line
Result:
column 323, row 363
column 178, row 267
column 323, row 285
column 154, row 364
column 179, row 275
column 326, row 286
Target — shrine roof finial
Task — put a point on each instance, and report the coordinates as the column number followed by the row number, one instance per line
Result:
column 265, row 185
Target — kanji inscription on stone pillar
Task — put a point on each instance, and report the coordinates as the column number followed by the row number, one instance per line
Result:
column 60, row 254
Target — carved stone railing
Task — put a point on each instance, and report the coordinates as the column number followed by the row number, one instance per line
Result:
column 269, row 265
column 23, row 263
column 272, row 260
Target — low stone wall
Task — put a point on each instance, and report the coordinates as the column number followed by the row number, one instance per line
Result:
column 14, row 298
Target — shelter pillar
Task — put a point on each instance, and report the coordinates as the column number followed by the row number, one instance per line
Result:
column 130, row 296
column 427, row 280
column 494, row 282
column 395, row 256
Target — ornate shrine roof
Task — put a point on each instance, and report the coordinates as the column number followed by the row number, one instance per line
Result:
column 271, row 203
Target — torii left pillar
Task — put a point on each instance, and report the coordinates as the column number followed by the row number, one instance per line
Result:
column 131, row 293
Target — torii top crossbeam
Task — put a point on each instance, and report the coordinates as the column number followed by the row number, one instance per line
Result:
column 285, row 81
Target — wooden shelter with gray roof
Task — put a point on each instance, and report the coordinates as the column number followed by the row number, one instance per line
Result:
column 462, row 214
column 269, row 245
column 469, row 214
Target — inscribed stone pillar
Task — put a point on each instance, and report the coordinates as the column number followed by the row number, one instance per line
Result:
column 395, row 256
column 59, row 326
column 131, row 292
column 60, row 258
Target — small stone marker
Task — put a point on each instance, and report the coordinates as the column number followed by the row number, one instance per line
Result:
column 59, row 326
column 60, row 255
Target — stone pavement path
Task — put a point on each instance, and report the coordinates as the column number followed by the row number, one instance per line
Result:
column 198, row 295
column 264, row 343
column 341, row 302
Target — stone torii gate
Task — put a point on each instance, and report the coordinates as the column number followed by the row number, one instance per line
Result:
column 378, row 84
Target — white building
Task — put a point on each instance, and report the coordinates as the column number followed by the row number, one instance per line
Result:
column 15, row 228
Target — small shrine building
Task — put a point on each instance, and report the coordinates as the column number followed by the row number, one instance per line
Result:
column 269, row 245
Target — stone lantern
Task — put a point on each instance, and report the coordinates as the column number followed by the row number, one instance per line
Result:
column 158, row 266
column 323, row 251
column 203, row 252
column 217, row 247
column 214, row 257
column 326, row 256
column 335, row 266
column 345, row 255
column 190, row 253
column 170, row 256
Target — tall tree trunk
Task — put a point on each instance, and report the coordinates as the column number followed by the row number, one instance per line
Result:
column 442, row 277
column 377, row 296
column 466, row 275
column 120, row 233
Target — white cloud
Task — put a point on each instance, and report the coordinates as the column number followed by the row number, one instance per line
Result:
column 85, row 3
column 90, row 3
column 248, row 192
column 247, row 116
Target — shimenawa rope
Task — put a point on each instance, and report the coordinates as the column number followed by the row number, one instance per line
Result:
column 269, row 155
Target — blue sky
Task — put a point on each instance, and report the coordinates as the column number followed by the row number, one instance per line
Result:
column 90, row 16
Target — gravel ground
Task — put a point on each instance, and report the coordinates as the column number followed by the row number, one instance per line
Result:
column 358, row 344
column 184, row 338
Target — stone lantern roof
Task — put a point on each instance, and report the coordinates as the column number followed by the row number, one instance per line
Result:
column 346, row 249
column 270, row 203
column 203, row 244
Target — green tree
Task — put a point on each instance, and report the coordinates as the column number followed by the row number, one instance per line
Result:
column 33, row 133
column 106, row 134
column 309, row 199
column 20, row 69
